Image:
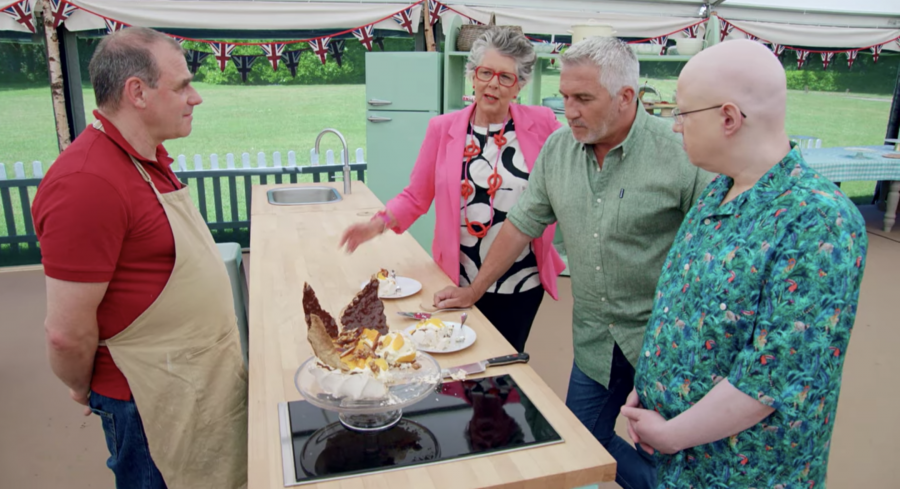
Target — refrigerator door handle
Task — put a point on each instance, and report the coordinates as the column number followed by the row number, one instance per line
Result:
column 379, row 119
column 377, row 102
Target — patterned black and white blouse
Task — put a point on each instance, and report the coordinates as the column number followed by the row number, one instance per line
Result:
column 523, row 275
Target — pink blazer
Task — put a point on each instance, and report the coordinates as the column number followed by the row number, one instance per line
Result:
column 436, row 177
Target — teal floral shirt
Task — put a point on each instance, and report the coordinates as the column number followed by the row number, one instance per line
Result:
column 761, row 291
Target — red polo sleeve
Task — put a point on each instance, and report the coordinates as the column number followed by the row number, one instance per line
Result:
column 81, row 221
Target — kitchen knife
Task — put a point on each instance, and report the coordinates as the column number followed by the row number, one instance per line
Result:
column 479, row 367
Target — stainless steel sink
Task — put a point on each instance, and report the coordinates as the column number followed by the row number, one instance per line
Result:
column 303, row 195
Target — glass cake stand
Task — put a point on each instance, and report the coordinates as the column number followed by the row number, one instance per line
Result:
column 408, row 387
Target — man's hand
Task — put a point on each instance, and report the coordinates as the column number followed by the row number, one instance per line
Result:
column 82, row 398
column 649, row 429
column 451, row 297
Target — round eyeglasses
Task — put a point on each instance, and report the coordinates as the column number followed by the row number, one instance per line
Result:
column 505, row 78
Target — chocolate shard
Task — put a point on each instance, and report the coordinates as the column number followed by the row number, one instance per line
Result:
column 311, row 307
column 365, row 310
column 322, row 345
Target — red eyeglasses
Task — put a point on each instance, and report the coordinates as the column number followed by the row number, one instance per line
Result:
column 505, row 78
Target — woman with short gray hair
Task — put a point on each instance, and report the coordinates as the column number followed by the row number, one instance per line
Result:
column 474, row 165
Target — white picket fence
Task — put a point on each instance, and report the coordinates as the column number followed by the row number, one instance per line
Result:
column 222, row 191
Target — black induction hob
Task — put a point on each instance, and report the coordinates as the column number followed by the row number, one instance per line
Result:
column 462, row 419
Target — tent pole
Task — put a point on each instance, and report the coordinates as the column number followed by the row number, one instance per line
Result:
column 429, row 32
column 55, row 70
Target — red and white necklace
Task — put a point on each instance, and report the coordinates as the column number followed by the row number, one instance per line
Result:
column 478, row 229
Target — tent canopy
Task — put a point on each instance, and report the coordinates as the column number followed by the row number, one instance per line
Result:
column 808, row 23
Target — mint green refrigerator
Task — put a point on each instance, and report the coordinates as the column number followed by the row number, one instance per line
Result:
column 403, row 92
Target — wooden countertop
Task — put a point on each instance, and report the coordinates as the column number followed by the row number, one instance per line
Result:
column 296, row 244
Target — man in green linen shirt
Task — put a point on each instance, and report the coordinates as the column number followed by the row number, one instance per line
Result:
column 619, row 184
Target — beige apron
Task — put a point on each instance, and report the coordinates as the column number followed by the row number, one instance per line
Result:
column 182, row 359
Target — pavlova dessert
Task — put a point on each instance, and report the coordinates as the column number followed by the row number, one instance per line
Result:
column 433, row 334
column 387, row 283
column 362, row 359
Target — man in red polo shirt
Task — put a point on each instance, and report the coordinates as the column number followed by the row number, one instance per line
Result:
column 122, row 249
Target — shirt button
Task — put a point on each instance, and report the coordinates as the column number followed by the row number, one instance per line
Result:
column 603, row 299
column 596, row 235
column 647, row 353
column 599, row 200
column 611, row 326
column 706, row 221
column 723, row 306
column 598, row 269
column 666, row 309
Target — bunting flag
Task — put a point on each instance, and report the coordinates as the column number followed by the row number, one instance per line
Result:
column 691, row 31
column 876, row 52
column 292, row 60
column 114, row 25
column 380, row 42
column 179, row 40
column 404, row 18
column 725, row 30
column 244, row 63
column 661, row 40
column 364, row 34
column 826, row 59
column 557, row 47
column 320, row 47
column 777, row 49
column 195, row 59
column 851, row 57
column 61, row 10
column 21, row 13
column 802, row 56
column 336, row 49
column 223, row 53
column 756, row 39
column 273, row 52
column 435, row 10
column 473, row 21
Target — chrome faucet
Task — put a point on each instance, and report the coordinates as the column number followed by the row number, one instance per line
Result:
column 346, row 156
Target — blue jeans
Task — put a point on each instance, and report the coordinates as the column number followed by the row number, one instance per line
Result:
column 129, row 455
column 597, row 408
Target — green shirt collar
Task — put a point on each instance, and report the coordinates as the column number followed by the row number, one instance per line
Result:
column 634, row 134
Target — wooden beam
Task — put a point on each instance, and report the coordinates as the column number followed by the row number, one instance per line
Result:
column 57, row 89
column 429, row 32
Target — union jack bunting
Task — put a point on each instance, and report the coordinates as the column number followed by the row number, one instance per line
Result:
column 851, row 57
column 21, row 13
column 661, row 40
column 756, row 39
column 320, row 47
column 404, row 18
column 244, row 64
column 114, row 25
column 826, row 59
column 195, row 59
column 876, row 52
column 475, row 22
column 364, row 34
column 691, row 31
column 336, row 49
column 777, row 49
column 223, row 53
column 292, row 60
column 725, row 30
column 273, row 53
column 61, row 10
column 435, row 10
column 802, row 56
column 179, row 40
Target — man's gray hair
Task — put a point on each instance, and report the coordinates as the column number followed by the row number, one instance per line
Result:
column 122, row 55
column 508, row 42
column 619, row 67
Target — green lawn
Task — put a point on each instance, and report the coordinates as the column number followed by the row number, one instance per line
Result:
column 252, row 119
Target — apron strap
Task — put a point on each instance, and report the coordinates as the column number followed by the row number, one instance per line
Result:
column 146, row 176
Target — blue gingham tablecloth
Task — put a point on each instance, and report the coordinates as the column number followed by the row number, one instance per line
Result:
column 844, row 165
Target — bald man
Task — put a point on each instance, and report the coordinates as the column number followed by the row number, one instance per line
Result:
column 738, row 379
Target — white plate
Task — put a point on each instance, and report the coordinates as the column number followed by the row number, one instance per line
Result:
column 469, row 333
column 408, row 287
